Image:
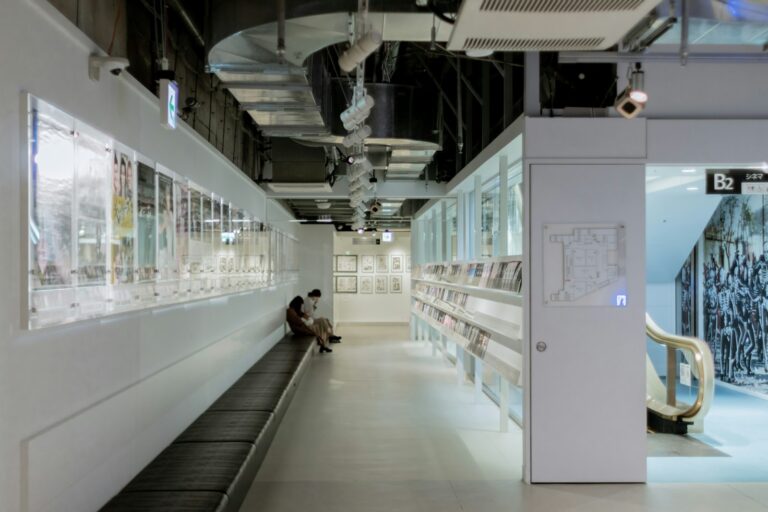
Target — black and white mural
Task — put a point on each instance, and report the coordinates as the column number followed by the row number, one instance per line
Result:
column 685, row 287
column 735, row 290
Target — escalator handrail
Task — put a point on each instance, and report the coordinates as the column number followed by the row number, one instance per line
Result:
column 702, row 359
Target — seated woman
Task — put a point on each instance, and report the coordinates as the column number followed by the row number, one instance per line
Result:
column 309, row 310
column 301, row 324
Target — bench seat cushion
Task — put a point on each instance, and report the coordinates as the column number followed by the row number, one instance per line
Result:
column 213, row 467
column 272, row 366
column 258, row 381
column 226, row 426
column 248, row 400
column 188, row 501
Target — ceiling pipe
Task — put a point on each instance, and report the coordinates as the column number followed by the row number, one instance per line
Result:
column 187, row 19
column 281, row 31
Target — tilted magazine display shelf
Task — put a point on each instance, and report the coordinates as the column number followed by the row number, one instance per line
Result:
column 111, row 231
column 476, row 305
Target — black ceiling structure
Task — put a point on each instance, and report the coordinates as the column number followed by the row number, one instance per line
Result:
column 454, row 104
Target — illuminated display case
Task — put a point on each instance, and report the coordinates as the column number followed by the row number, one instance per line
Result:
column 477, row 305
column 111, row 231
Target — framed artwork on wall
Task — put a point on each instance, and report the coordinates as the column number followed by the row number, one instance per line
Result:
column 367, row 263
column 408, row 263
column 345, row 284
column 395, row 284
column 366, row 284
column 345, row 263
column 382, row 284
column 396, row 263
column 382, row 263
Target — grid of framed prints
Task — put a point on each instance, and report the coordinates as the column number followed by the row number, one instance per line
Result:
column 382, row 265
column 110, row 231
column 345, row 284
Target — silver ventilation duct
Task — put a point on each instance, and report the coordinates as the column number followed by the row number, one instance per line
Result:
column 293, row 98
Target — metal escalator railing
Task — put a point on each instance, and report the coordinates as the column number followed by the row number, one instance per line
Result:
column 702, row 367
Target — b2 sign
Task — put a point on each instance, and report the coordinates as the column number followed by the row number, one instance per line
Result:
column 736, row 181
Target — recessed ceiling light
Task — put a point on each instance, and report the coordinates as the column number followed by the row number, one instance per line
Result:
column 688, row 171
column 692, row 189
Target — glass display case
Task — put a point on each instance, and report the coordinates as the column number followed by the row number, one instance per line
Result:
column 110, row 231
column 146, row 228
column 166, row 231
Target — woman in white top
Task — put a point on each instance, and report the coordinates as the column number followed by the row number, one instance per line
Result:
column 310, row 308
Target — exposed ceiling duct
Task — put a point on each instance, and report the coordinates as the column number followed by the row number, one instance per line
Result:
column 295, row 98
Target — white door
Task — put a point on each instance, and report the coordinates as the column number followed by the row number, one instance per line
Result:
column 587, row 314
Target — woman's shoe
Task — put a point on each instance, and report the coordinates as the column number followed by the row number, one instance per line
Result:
column 335, row 339
column 325, row 349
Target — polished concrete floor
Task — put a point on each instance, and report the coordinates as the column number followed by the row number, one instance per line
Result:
column 382, row 425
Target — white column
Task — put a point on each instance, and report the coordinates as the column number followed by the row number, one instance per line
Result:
column 503, row 405
column 461, row 222
column 503, row 206
column 477, row 218
column 478, row 379
column 459, row 365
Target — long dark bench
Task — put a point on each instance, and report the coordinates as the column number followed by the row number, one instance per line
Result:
column 211, row 465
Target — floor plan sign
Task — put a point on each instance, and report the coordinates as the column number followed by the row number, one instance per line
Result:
column 584, row 265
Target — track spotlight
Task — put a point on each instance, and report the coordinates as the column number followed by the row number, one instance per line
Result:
column 357, row 136
column 637, row 85
column 375, row 207
column 359, row 51
column 632, row 100
column 357, row 113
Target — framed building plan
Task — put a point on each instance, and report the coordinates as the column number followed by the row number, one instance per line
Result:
column 345, row 284
column 585, row 265
column 345, row 263
column 367, row 263
column 395, row 284
column 366, row 284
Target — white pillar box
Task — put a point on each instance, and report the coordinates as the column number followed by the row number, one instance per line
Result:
column 586, row 301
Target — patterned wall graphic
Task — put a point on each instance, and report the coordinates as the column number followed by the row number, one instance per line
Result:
column 736, row 291
column 685, row 288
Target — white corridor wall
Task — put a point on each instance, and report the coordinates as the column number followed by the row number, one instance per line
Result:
column 83, row 407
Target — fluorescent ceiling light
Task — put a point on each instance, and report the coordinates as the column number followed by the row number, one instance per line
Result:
column 688, row 171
